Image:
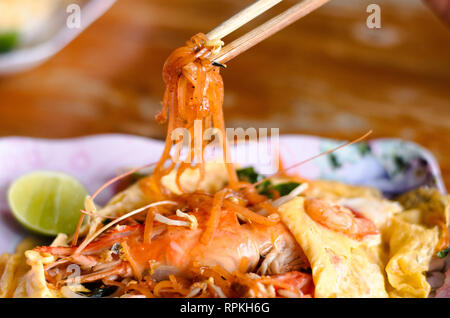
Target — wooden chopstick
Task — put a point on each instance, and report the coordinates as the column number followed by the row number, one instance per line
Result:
column 241, row 18
column 265, row 30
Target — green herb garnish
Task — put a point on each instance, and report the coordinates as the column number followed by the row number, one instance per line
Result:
column 285, row 188
column 248, row 174
column 265, row 188
column 443, row 253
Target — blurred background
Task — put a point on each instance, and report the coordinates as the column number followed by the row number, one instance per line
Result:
column 326, row 75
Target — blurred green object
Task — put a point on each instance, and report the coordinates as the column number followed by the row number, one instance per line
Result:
column 8, row 41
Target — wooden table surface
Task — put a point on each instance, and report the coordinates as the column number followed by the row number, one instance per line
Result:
column 327, row 75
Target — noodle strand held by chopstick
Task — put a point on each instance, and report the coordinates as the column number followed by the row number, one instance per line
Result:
column 194, row 91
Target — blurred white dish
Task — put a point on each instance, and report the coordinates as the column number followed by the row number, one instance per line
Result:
column 40, row 41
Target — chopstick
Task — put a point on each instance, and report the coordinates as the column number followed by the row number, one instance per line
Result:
column 241, row 18
column 266, row 30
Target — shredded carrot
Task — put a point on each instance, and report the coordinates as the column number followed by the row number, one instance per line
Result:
column 183, row 167
column 129, row 258
column 251, row 193
column 214, row 217
column 172, row 279
column 248, row 214
column 223, row 272
column 148, row 226
column 77, row 231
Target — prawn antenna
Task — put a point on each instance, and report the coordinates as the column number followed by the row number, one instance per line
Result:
column 119, row 177
column 317, row 156
column 96, row 193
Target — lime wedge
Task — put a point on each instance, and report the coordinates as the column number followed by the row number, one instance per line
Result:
column 47, row 202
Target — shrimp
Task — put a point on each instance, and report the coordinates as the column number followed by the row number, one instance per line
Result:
column 339, row 218
column 177, row 248
column 173, row 249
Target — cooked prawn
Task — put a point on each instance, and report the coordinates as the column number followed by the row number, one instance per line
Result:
column 339, row 218
column 177, row 248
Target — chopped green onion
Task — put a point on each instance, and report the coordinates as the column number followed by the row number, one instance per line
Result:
column 285, row 188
